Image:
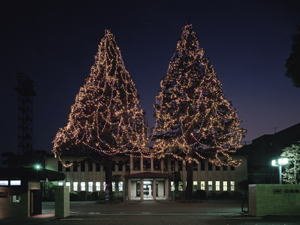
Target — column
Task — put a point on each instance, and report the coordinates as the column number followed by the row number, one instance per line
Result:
column 131, row 163
column 142, row 164
column 167, row 186
column 162, row 165
column 154, row 189
column 151, row 160
column 142, row 189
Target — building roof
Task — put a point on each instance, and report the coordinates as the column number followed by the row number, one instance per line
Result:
column 148, row 175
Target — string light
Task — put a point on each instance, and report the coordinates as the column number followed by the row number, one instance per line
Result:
column 106, row 116
column 194, row 120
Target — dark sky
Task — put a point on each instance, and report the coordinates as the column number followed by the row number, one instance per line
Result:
column 55, row 43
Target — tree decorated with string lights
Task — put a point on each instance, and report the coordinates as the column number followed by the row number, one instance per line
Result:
column 106, row 117
column 194, row 120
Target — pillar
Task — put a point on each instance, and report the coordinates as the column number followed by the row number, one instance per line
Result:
column 154, row 189
column 62, row 202
column 142, row 189
column 131, row 163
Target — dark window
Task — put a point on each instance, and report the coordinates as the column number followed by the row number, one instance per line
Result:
column 136, row 164
column 224, row 168
column 202, row 165
column 90, row 166
column 156, row 164
column 210, row 166
column 59, row 166
column 195, row 166
column 172, row 165
column 232, row 168
column 97, row 167
column 166, row 164
column 75, row 166
column 82, row 166
column 218, row 167
column 147, row 164
column 67, row 168
column 120, row 166
column 127, row 166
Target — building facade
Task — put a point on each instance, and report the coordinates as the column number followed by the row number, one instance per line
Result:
column 147, row 178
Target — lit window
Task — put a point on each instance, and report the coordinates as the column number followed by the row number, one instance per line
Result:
column 98, row 186
column 16, row 198
column 82, row 186
column 225, row 188
column 90, row 186
column 68, row 184
column 202, row 185
column 210, row 185
column 217, row 185
column 113, row 186
column 180, row 186
column 60, row 183
column 172, row 186
column 195, row 185
column 75, row 186
column 3, row 182
column 15, row 182
column 232, row 185
column 121, row 186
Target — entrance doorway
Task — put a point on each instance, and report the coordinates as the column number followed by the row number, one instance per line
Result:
column 147, row 190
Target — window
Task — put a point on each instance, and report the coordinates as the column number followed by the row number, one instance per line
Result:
column 75, row 166
column 202, row 185
column 172, row 186
column 232, row 185
column 210, row 185
column 59, row 166
column 97, row 167
column 113, row 186
column 3, row 182
column 202, row 164
column 60, row 183
column 180, row 186
column 67, row 168
column 224, row 168
column 68, row 184
column 16, row 198
column 82, row 166
column 156, row 163
column 90, row 186
column 218, row 168
column 217, row 185
column 15, row 182
column 232, row 168
column 147, row 164
column 120, row 166
column 127, row 166
column 113, row 166
column 75, row 186
column 210, row 166
column 104, row 186
column 136, row 164
column 172, row 165
column 225, row 186
column 82, row 186
column 165, row 164
column 98, row 186
column 121, row 186
column 90, row 166
column 195, row 185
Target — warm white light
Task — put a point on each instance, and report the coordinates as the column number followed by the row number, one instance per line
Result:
column 274, row 162
column 3, row 182
column 283, row 161
column 15, row 182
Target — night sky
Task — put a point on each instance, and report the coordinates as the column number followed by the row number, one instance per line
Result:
column 54, row 43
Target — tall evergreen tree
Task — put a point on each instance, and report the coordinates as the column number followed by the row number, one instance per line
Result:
column 194, row 120
column 106, row 117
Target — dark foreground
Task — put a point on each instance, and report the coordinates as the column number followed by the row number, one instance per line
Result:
column 154, row 213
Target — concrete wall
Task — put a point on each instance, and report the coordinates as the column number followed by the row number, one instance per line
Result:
column 274, row 199
column 62, row 202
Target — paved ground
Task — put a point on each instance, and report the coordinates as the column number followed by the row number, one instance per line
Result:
column 155, row 213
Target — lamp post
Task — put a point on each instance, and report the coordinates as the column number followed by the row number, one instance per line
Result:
column 279, row 163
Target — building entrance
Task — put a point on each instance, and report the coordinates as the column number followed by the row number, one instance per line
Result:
column 147, row 190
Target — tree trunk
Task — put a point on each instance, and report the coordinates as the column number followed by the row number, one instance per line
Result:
column 108, row 179
column 189, row 180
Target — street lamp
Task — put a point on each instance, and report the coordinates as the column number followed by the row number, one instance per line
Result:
column 37, row 166
column 279, row 163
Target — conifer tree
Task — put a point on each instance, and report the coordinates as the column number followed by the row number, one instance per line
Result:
column 194, row 120
column 106, row 116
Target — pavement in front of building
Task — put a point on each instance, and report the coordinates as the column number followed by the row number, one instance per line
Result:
column 154, row 213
